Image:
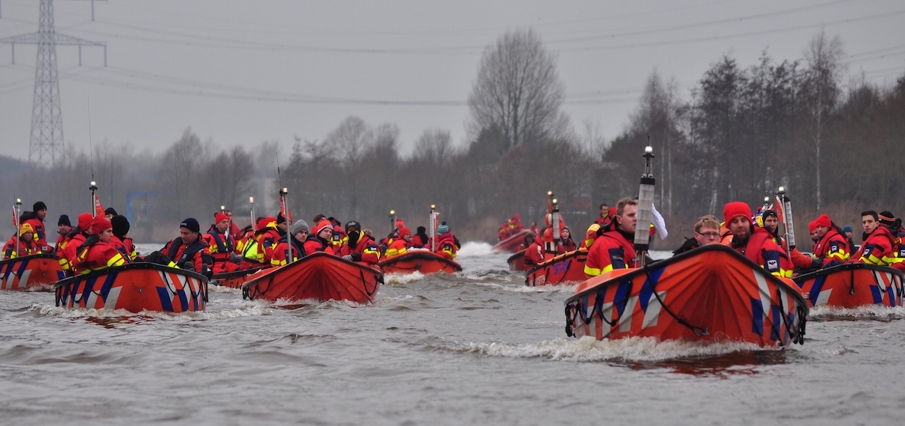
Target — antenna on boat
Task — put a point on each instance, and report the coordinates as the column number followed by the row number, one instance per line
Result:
column 251, row 200
column 392, row 221
column 787, row 217
column 93, row 188
column 433, row 225
column 16, row 210
column 283, row 192
column 645, row 206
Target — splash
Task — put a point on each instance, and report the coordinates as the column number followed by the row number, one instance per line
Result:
column 867, row 312
column 403, row 278
column 475, row 249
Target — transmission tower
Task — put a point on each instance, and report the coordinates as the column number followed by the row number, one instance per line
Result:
column 46, row 117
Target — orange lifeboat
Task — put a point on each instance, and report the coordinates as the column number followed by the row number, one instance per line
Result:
column 517, row 262
column 319, row 276
column 28, row 272
column 233, row 279
column 423, row 261
column 711, row 293
column 511, row 244
column 853, row 284
column 135, row 287
column 564, row 268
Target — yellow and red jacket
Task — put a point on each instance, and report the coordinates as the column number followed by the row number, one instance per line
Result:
column 365, row 250
column 610, row 251
column 878, row 248
column 446, row 246
column 761, row 249
column 832, row 249
column 97, row 255
column 26, row 248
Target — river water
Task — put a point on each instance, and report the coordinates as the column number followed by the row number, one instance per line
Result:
column 474, row 348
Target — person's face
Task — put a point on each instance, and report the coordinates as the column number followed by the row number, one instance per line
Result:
column 283, row 226
column 229, row 214
column 707, row 235
column 64, row 229
column 41, row 214
column 770, row 223
column 604, row 209
column 326, row 233
column 814, row 236
column 407, row 237
column 108, row 216
column 106, row 235
column 869, row 223
column 821, row 231
column 223, row 225
column 629, row 219
column 740, row 227
column 301, row 235
column 28, row 236
column 188, row 237
column 848, row 234
column 566, row 233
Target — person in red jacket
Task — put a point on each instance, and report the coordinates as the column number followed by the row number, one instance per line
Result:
column 446, row 242
column 26, row 241
column 567, row 243
column 292, row 244
column 221, row 244
column 75, row 238
column 187, row 251
column 359, row 246
column 64, row 227
column 878, row 247
column 400, row 245
column 799, row 259
column 321, row 239
column 527, row 241
column 589, row 236
column 831, row 247
column 534, row 253
column 35, row 218
column 615, row 249
column 421, row 239
column 96, row 253
column 755, row 242
column 121, row 228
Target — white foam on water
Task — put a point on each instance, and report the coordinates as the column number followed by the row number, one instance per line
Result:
column 222, row 289
column 404, row 278
column 249, row 310
column 559, row 288
column 880, row 312
column 628, row 349
column 474, row 249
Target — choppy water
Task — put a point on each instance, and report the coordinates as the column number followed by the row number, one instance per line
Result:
column 475, row 348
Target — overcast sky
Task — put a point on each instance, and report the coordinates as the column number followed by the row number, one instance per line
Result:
column 244, row 72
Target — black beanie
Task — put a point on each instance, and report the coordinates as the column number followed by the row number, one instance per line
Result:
column 120, row 225
column 110, row 210
column 39, row 206
column 191, row 224
column 64, row 220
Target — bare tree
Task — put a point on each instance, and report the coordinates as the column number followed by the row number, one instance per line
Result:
column 517, row 90
column 822, row 91
column 435, row 147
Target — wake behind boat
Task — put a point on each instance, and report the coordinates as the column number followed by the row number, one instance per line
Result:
column 135, row 287
column 853, row 284
column 319, row 276
column 512, row 243
column 712, row 293
column 423, row 261
column 30, row 272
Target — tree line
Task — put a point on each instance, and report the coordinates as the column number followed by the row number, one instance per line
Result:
column 740, row 133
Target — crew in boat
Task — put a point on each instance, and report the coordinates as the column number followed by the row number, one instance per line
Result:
column 832, row 247
column 799, row 260
column 292, row 243
column 589, row 236
column 567, row 244
column 527, row 241
column 604, row 218
column 64, row 227
column 393, row 236
column 420, row 239
column 321, row 239
column 188, row 251
column 109, row 212
column 339, row 239
column 534, row 253
column 26, row 241
column 706, row 231
column 258, row 250
column 879, row 248
column 614, row 249
column 447, row 245
column 97, row 253
column 75, row 238
column 359, row 247
column 400, row 245
column 847, row 233
column 221, row 244
column 35, row 218
column 120, row 239
column 755, row 242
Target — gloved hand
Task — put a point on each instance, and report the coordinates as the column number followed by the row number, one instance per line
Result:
column 816, row 263
column 347, row 257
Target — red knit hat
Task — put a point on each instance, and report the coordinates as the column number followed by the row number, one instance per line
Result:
column 823, row 220
column 400, row 223
column 262, row 224
column 812, row 227
column 323, row 224
column 100, row 224
column 220, row 217
column 735, row 209
column 85, row 221
column 403, row 231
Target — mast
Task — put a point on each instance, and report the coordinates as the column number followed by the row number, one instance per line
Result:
column 645, row 207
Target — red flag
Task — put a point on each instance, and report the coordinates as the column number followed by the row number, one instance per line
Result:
column 284, row 209
column 15, row 219
column 780, row 214
column 98, row 208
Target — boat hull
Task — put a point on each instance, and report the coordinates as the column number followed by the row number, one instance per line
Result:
column 30, row 272
column 422, row 261
column 318, row 276
column 566, row 268
column 512, row 243
column 234, row 279
column 709, row 294
column 852, row 285
column 135, row 287
column 517, row 262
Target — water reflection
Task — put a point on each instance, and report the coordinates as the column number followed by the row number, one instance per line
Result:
column 736, row 363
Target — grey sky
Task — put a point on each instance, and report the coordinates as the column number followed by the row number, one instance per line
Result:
column 244, row 72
